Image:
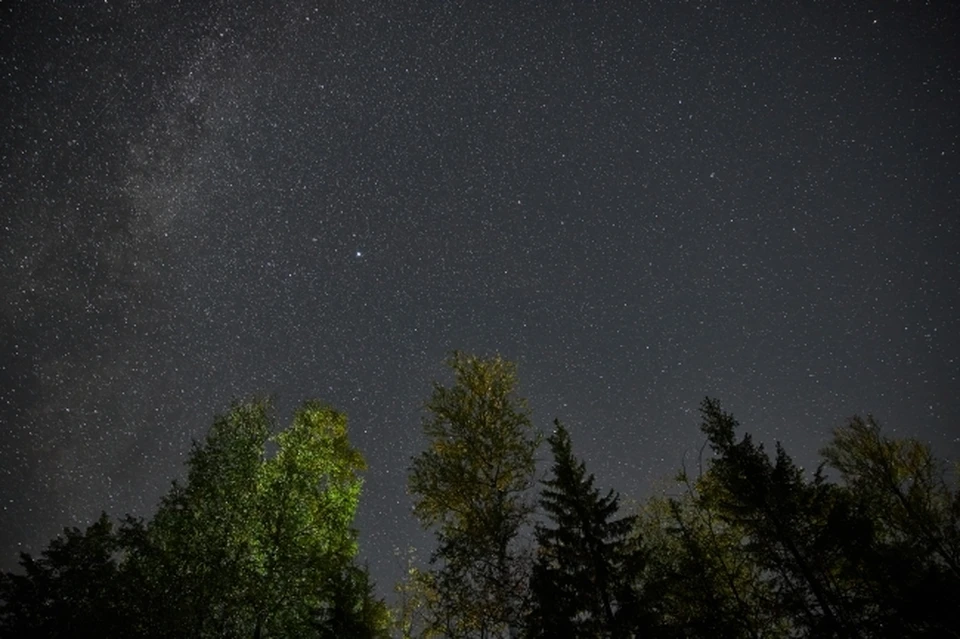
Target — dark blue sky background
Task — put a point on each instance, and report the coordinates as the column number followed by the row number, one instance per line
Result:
column 641, row 203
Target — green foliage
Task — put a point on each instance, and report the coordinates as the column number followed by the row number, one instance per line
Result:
column 248, row 544
column 700, row 577
column 205, row 546
column 471, row 486
column 417, row 605
column 903, row 484
column 794, row 529
column 754, row 547
column 251, row 545
column 910, row 567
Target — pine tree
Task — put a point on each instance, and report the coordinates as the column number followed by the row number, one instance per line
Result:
column 581, row 579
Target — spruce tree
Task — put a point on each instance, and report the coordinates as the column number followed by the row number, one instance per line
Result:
column 793, row 526
column 581, row 583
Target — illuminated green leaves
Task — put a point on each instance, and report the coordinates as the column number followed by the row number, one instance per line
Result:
column 257, row 539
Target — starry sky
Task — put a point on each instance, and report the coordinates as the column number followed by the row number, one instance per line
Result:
column 641, row 203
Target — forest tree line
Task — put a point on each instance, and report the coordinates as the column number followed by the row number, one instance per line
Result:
column 258, row 540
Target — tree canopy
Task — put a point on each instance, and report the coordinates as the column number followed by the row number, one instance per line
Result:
column 258, row 540
column 251, row 545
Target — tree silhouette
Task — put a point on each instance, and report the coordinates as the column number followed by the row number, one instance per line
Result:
column 791, row 525
column 74, row 589
column 581, row 583
column 909, row 559
column 258, row 541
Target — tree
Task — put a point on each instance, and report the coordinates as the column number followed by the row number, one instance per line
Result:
column 905, row 485
column 72, row 590
column 353, row 610
column 471, row 487
column 911, row 567
column 699, row 577
column 249, row 544
column 416, row 598
column 754, row 547
column 581, row 582
column 796, row 531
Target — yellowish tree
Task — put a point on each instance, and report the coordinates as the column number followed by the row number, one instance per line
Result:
column 471, row 486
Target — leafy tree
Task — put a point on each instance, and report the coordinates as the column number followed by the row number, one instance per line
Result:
column 471, row 486
column 416, row 598
column 911, row 556
column 905, row 486
column 258, row 541
column 699, row 577
column 581, row 582
column 249, row 544
column 72, row 590
column 201, row 557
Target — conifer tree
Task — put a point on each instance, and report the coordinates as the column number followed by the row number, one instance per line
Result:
column 793, row 526
column 581, row 584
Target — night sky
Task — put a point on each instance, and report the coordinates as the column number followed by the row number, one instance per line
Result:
column 641, row 203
